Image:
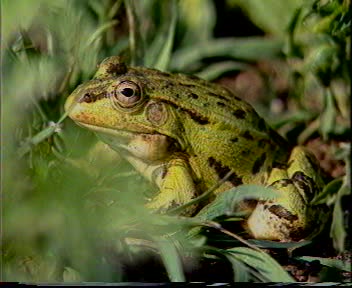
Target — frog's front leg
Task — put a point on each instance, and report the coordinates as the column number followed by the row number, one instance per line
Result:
column 290, row 217
column 174, row 180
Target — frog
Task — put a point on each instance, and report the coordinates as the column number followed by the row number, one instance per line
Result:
column 185, row 134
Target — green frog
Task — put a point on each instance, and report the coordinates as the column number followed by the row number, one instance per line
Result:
column 185, row 134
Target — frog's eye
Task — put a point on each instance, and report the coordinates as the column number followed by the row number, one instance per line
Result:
column 127, row 94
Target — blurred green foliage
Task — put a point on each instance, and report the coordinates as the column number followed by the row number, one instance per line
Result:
column 73, row 212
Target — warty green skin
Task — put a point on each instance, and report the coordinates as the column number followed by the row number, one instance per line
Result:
column 185, row 134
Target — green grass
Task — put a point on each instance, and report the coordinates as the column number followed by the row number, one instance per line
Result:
column 72, row 213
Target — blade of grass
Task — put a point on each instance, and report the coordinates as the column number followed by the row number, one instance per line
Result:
column 263, row 263
column 163, row 60
column 224, row 203
column 41, row 136
column 135, row 39
column 171, row 260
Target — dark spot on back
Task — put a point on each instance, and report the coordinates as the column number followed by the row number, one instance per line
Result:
column 194, row 96
column 161, row 73
column 193, row 77
column 220, row 104
column 168, row 84
column 245, row 152
column 235, row 179
column 218, row 167
column 222, row 170
column 217, row 96
column 234, row 140
column 247, row 135
column 262, row 143
column 281, row 212
column 198, row 118
column 193, row 114
column 211, row 161
column 258, row 163
column 239, row 114
column 261, row 124
column 189, row 85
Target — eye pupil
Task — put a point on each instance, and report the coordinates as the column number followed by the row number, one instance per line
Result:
column 128, row 92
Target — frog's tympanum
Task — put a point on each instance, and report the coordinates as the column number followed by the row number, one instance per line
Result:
column 185, row 134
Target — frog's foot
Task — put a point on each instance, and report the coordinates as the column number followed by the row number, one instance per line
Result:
column 290, row 217
column 176, row 187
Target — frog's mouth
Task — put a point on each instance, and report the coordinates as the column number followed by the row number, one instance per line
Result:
column 120, row 135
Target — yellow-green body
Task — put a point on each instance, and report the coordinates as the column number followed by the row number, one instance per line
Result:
column 185, row 134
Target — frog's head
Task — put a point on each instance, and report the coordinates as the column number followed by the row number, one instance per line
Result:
column 121, row 102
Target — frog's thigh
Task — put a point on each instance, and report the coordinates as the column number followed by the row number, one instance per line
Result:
column 175, row 183
column 288, row 217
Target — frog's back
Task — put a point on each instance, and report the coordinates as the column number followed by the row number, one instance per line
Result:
column 206, row 103
column 203, row 101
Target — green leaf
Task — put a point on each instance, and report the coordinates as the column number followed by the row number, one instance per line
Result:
column 292, row 118
column 329, row 190
column 18, row 15
column 239, row 48
column 270, row 15
column 171, row 260
column 197, row 18
column 328, row 117
column 337, row 231
column 215, row 70
column 334, row 263
column 36, row 139
column 224, row 203
column 278, row 245
column 263, row 263
column 241, row 272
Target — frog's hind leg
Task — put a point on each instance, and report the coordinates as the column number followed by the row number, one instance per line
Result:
column 289, row 217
